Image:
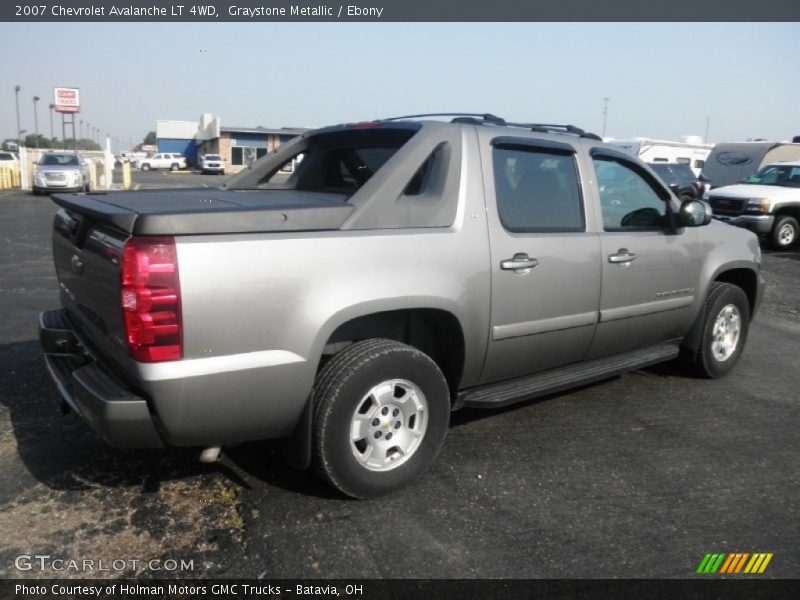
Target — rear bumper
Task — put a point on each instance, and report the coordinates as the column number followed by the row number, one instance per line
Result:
column 760, row 224
column 114, row 412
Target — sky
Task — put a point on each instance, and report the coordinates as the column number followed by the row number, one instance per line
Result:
column 662, row 79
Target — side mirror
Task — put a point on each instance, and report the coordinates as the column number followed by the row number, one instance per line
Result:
column 695, row 213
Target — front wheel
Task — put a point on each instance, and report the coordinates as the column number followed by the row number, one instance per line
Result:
column 382, row 410
column 784, row 232
column 726, row 319
column 145, row 167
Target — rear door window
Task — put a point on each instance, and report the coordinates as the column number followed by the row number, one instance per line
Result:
column 537, row 191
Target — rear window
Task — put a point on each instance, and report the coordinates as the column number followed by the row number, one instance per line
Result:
column 6, row 156
column 339, row 161
column 685, row 173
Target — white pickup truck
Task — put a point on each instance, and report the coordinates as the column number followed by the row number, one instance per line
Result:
column 767, row 203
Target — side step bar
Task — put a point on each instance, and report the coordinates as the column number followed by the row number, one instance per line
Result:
column 556, row 380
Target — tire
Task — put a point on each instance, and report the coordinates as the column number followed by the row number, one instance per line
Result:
column 718, row 351
column 686, row 196
column 413, row 410
column 784, row 233
column 145, row 167
column 173, row 167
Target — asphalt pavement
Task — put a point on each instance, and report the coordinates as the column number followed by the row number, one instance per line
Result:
column 637, row 476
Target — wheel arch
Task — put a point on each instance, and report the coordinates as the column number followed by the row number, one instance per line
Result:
column 435, row 331
column 445, row 344
column 788, row 211
column 744, row 277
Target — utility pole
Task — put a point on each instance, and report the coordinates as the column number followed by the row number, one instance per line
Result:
column 52, row 136
column 35, row 121
column 708, row 123
column 605, row 115
column 17, row 90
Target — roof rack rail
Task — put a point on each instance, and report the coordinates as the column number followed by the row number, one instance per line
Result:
column 553, row 128
column 490, row 119
column 484, row 117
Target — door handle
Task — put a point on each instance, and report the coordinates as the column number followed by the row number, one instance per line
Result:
column 623, row 256
column 521, row 263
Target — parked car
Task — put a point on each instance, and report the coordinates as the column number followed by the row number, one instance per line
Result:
column 163, row 160
column 212, row 163
column 8, row 159
column 61, row 171
column 680, row 179
column 405, row 269
column 768, row 203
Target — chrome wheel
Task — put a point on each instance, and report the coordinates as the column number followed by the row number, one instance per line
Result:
column 786, row 234
column 388, row 425
column 726, row 332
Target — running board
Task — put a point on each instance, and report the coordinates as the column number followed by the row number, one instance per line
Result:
column 556, row 380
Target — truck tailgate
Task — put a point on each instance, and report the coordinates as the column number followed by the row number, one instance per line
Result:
column 87, row 256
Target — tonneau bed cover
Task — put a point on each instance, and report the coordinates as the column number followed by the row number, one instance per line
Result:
column 207, row 211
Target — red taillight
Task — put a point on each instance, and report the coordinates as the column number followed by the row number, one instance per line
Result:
column 151, row 299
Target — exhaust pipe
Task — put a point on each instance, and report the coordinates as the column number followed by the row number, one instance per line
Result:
column 210, row 455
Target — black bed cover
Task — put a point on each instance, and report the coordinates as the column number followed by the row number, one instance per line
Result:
column 205, row 211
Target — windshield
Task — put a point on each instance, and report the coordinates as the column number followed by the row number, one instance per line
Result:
column 780, row 175
column 69, row 160
column 213, row 157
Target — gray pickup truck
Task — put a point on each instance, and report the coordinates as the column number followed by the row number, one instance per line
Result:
column 405, row 269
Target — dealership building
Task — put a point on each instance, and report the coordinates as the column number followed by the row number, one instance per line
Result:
column 239, row 146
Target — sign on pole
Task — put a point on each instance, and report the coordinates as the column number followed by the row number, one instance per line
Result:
column 66, row 100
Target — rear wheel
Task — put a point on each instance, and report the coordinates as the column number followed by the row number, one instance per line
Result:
column 726, row 318
column 382, row 410
column 173, row 167
column 784, row 232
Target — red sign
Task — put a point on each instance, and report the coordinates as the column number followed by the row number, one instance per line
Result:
column 67, row 100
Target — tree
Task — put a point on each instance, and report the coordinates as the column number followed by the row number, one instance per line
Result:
column 86, row 144
column 150, row 139
column 32, row 141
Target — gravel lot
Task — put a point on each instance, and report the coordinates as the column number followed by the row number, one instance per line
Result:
column 638, row 476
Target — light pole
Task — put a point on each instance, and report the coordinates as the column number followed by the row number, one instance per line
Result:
column 81, row 120
column 35, row 121
column 17, row 90
column 605, row 115
column 52, row 137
